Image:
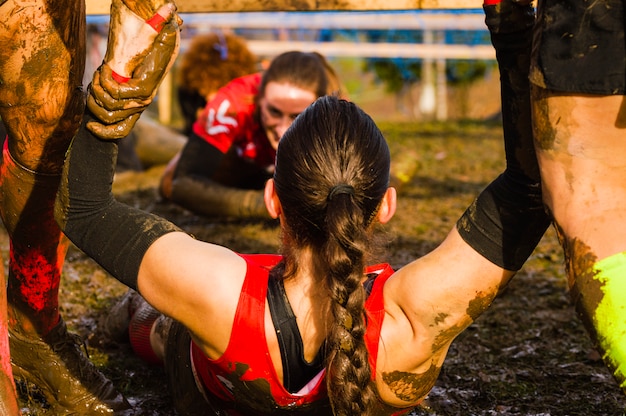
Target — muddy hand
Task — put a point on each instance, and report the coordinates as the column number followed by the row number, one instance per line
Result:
column 138, row 91
column 118, row 102
column 133, row 28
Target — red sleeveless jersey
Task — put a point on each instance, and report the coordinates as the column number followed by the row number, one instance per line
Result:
column 244, row 381
column 230, row 119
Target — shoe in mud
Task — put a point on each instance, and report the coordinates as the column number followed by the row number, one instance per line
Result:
column 114, row 326
column 69, row 381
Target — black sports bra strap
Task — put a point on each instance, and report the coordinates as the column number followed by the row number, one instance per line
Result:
column 297, row 372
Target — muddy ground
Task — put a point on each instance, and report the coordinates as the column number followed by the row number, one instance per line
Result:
column 527, row 355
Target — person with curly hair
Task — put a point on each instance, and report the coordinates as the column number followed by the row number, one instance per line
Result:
column 210, row 61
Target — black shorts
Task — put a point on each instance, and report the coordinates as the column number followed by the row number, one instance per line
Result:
column 184, row 389
column 579, row 46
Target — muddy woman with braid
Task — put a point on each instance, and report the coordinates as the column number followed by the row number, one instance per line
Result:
column 315, row 330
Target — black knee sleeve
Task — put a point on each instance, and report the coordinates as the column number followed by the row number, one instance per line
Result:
column 185, row 390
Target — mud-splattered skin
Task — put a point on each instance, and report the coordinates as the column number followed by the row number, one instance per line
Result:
column 42, row 61
column 41, row 100
column 474, row 309
column 586, row 292
column 119, row 105
column 41, row 104
column 552, row 139
column 543, row 129
column 479, row 305
column 411, row 387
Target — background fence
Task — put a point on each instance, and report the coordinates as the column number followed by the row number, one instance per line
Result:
column 425, row 45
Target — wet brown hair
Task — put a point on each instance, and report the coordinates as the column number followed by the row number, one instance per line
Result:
column 332, row 170
column 307, row 70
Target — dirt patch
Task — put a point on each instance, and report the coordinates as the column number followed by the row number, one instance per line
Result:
column 528, row 355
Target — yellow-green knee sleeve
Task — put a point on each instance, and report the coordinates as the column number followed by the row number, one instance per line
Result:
column 610, row 315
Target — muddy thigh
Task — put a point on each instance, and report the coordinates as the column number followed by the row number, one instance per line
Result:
column 580, row 149
column 40, row 93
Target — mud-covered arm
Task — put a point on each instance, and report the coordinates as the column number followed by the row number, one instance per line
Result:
column 208, row 197
column 193, row 188
column 116, row 235
column 112, row 233
column 198, row 158
column 430, row 302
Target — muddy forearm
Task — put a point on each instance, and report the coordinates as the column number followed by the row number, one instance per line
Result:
column 209, row 198
column 508, row 219
column 192, row 188
column 113, row 234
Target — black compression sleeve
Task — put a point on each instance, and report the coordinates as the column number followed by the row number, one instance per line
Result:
column 506, row 222
column 508, row 218
column 113, row 234
column 198, row 158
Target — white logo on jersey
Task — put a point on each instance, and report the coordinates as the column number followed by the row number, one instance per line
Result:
column 219, row 124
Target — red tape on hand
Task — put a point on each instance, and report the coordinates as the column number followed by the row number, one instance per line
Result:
column 156, row 22
column 120, row 79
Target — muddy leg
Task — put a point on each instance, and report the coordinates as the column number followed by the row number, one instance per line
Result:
column 37, row 250
column 580, row 144
column 579, row 122
column 41, row 105
column 8, row 396
column 34, row 97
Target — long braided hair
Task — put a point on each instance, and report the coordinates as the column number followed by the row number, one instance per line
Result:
column 332, row 170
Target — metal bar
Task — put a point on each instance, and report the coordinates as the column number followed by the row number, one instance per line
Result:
column 375, row 50
column 358, row 20
column 95, row 7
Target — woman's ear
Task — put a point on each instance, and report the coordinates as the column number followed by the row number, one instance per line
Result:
column 272, row 203
column 387, row 205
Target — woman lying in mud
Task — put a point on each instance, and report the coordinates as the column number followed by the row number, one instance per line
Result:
column 317, row 329
column 230, row 152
